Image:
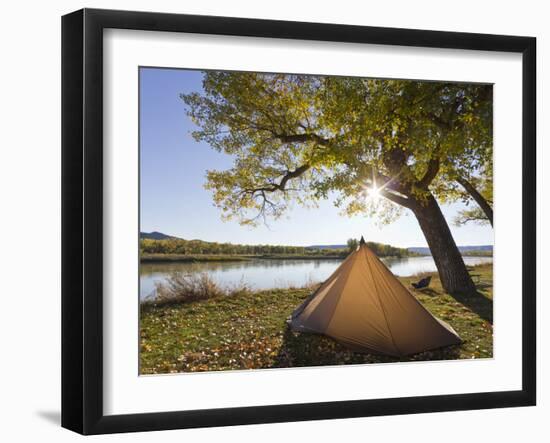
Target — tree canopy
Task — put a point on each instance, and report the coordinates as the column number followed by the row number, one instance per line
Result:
column 303, row 138
column 299, row 138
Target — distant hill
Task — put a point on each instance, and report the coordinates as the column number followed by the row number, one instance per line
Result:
column 155, row 235
column 462, row 249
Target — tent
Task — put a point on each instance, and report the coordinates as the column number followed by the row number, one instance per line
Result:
column 365, row 307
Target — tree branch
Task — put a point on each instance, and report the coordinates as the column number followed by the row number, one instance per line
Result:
column 300, row 138
column 480, row 200
column 431, row 173
column 403, row 201
column 281, row 186
column 260, row 192
column 292, row 174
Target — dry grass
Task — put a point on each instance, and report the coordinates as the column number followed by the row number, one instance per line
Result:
column 186, row 288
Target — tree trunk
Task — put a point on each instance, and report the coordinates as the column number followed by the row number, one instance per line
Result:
column 480, row 200
column 453, row 274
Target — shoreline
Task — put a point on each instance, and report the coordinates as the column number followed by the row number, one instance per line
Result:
column 313, row 284
column 180, row 258
column 159, row 258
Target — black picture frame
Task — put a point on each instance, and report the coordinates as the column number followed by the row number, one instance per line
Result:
column 82, row 218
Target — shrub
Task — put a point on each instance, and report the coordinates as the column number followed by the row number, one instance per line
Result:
column 187, row 288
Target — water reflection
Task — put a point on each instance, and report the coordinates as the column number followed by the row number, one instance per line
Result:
column 267, row 274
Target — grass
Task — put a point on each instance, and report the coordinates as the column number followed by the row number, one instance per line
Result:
column 247, row 330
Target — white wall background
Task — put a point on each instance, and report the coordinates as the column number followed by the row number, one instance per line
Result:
column 30, row 218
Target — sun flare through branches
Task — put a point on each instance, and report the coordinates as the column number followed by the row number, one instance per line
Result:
column 373, row 192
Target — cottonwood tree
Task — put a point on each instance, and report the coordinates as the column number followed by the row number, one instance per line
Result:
column 296, row 138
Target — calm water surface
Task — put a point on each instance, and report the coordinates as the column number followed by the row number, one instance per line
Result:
column 267, row 274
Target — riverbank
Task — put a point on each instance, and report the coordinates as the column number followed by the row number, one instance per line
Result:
column 180, row 258
column 203, row 258
column 248, row 331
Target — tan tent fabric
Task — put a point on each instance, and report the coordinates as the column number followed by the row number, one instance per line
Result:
column 364, row 306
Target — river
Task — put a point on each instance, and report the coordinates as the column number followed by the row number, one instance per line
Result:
column 268, row 274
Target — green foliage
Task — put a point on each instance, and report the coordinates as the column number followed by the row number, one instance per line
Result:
column 198, row 247
column 478, row 253
column 475, row 215
column 380, row 249
column 217, row 251
column 298, row 138
column 190, row 247
column 352, row 244
column 192, row 258
column 484, row 185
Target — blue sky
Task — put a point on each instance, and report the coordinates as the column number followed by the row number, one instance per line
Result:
column 172, row 175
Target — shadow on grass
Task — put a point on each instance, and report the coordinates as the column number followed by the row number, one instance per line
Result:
column 428, row 291
column 478, row 303
column 303, row 349
column 484, row 285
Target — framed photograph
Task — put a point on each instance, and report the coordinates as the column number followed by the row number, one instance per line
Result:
column 269, row 221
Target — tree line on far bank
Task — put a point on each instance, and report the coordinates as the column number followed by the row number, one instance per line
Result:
column 199, row 247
